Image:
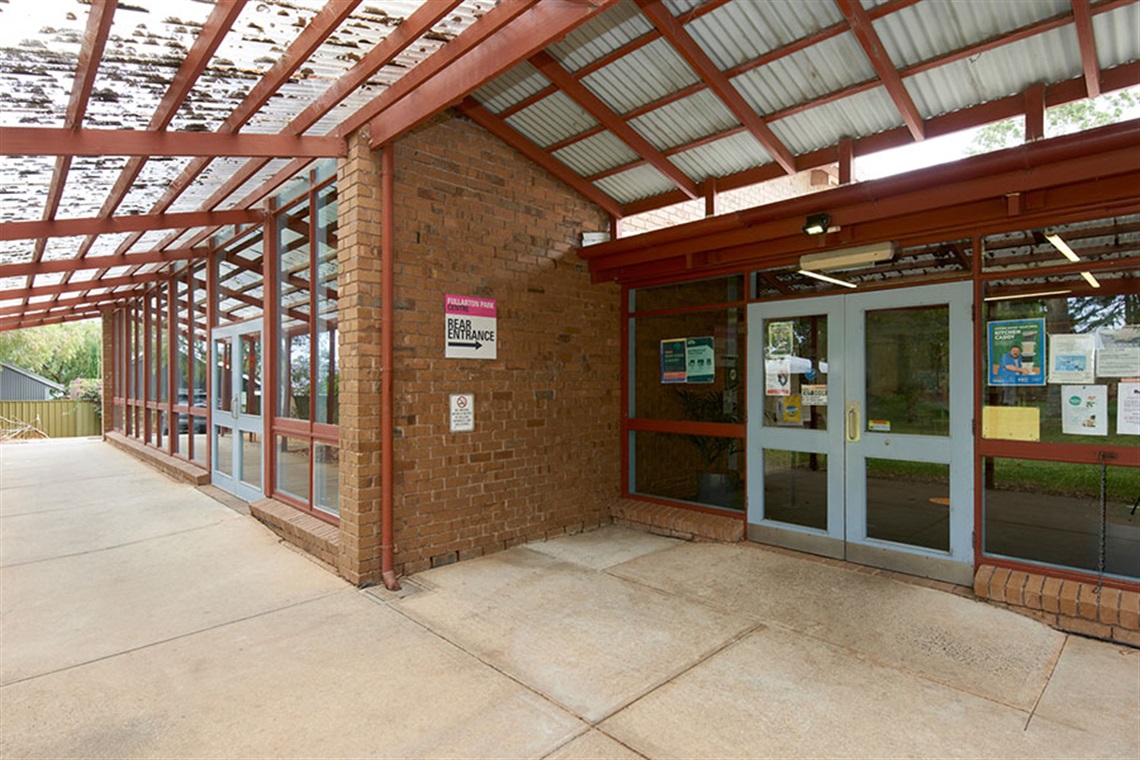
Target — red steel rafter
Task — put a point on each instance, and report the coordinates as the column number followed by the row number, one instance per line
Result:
column 869, row 40
column 99, row 20
column 1082, row 16
column 47, row 141
column 579, row 93
column 98, row 225
column 717, row 81
column 101, row 262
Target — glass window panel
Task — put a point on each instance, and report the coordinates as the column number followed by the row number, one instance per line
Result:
column 199, row 453
column 294, row 328
column 120, row 417
column 795, row 488
column 326, row 409
column 162, row 343
column 293, row 467
column 250, row 401
column 702, row 469
column 223, row 374
column 719, row 401
column 802, row 351
column 251, row 458
column 224, row 450
column 1039, row 413
column 1051, row 512
column 909, row 502
column 240, row 282
column 200, row 343
column 183, row 439
column 326, row 477
column 908, row 370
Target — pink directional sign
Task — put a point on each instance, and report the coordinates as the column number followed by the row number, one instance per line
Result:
column 470, row 327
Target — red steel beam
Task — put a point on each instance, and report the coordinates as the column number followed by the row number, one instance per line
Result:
column 47, row 141
column 73, row 287
column 510, row 136
column 860, row 24
column 580, row 94
column 97, row 262
column 99, row 20
column 1082, row 18
column 416, row 79
column 323, row 24
column 717, row 81
column 66, row 303
column 523, row 37
column 6, row 324
column 99, row 226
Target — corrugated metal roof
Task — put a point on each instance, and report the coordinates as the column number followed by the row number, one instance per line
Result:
column 635, row 184
column 596, row 154
column 738, row 32
column 929, row 29
column 1051, row 57
column 722, row 157
column 601, row 35
column 686, row 120
column 812, row 73
column 552, row 119
column 1116, row 33
column 864, row 114
column 509, row 88
column 647, row 74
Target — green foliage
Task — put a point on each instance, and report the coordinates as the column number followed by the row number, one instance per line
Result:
column 709, row 406
column 88, row 389
column 1060, row 120
column 59, row 352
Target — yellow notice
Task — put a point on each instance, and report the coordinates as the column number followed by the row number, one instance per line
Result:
column 1011, row 423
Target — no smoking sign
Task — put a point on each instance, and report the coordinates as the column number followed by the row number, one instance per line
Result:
column 462, row 412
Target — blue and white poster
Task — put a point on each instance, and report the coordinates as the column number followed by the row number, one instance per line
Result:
column 1017, row 352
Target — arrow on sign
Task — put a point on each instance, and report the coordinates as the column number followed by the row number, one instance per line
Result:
column 476, row 345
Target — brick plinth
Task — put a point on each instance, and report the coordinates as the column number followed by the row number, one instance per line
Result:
column 1069, row 605
column 179, row 469
column 688, row 524
column 308, row 533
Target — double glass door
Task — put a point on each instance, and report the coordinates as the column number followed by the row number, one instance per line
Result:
column 859, row 428
column 236, row 427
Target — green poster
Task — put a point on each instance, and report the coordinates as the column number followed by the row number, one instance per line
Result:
column 699, row 357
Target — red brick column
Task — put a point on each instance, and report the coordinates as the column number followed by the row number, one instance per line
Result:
column 359, row 302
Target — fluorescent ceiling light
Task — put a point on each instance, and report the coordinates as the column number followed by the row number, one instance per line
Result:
column 1040, row 294
column 848, row 257
column 1063, row 247
column 825, row 278
column 1090, row 279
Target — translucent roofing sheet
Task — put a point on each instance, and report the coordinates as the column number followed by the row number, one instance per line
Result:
column 864, row 114
column 517, row 84
column 1116, row 35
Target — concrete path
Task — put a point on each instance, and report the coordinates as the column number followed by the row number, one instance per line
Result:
column 140, row 618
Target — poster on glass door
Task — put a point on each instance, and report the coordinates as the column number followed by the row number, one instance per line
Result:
column 1016, row 352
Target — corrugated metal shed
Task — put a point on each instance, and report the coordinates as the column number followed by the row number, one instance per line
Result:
column 19, row 384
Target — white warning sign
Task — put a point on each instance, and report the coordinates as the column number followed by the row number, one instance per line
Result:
column 470, row 327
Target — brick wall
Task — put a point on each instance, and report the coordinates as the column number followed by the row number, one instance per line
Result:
column 476, row 218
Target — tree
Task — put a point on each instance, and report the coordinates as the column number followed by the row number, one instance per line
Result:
column 1060, row 120
column 61, row 352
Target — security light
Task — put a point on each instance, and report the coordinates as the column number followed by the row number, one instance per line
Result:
column 817, row 224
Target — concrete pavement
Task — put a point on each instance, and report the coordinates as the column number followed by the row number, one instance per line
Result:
column 141, row 618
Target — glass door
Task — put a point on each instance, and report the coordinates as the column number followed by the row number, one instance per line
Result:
column 862, row 445
column 237, row 428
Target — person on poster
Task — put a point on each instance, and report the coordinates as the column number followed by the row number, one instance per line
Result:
column 1009, row 367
